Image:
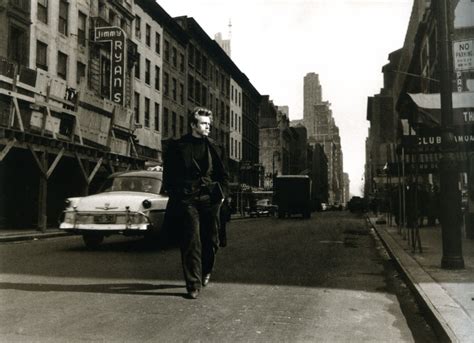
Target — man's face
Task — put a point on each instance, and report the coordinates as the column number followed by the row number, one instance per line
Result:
column 203, row 126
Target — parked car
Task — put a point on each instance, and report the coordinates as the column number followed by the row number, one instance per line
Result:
column 262, row 208
column 129, row 203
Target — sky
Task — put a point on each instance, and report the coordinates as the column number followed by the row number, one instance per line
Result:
column 277, row 42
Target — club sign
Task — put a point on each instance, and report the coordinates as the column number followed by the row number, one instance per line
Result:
column 116, row 36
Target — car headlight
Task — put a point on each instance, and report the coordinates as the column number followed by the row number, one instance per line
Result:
column 146, row 203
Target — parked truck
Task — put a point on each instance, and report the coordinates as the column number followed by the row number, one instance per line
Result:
column 292, row 195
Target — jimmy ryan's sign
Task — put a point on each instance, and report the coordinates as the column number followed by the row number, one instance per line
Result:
column 116, row 36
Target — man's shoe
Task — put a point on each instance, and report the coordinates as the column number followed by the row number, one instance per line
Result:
column 193, row 294
column 205, row 280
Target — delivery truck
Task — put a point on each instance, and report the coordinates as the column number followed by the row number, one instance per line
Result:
column 292, row 195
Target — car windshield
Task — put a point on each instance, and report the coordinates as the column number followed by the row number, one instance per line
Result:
column 133, row 184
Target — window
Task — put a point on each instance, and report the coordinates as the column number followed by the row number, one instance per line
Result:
column 63, row 16
column 181, row 62
column 222, row 114
column 62, row 65
column 181, row 94
column 204, row 96
column 81, row 29
column 231, row 146
column 43, row 11
column 165, row 122
column 136, row 107
column 124, row 24
column 157, row 78
column 197, row 89
column 181, row 125
column 174, row 57
column 80, row 72
column 105, row 76
column 137, row 67
column 147, row 112
column 198, row 60
column 17, row 44
column 147, row 71
column 166, row 80
column 204, row 66
column 138, row 24
column 174, row 89
column 41, row 55
column 167, row 51
column 232, row 119
column 157, row 43
column 112, row 17
column 173, row 123
column 148, row 35
column 232, row 93
column 190, row 87
column 191, row 54
column 157, row 116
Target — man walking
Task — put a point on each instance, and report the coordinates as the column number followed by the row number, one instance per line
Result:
column 196, row 179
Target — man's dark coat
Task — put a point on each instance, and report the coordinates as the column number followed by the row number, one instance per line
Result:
column 180, row 171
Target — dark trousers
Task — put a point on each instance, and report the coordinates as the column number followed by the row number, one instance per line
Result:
column 199, row 239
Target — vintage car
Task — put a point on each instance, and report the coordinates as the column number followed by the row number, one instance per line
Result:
column 129, row 203
column 263, row 207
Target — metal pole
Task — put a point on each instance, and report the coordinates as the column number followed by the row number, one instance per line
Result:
column 404, row 221
column 449, row 193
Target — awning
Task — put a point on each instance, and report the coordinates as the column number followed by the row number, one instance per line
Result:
column 433, row 101
column 429, row 106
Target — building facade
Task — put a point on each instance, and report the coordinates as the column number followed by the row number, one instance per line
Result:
column 66, row 121
column 147, row 90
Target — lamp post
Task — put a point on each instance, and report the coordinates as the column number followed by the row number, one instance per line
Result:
column 449, row 193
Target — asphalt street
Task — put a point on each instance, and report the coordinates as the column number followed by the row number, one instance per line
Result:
column 326, row 279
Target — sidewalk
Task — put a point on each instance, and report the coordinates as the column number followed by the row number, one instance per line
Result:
column 446, row 295
column 29, row 234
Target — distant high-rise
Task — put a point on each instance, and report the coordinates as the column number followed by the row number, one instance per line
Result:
column 223, row 43
column 322, row 130
column 312, row 94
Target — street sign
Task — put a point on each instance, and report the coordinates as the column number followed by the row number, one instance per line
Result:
column 463, row 55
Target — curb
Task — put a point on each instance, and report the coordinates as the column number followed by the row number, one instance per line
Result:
column 402, row 260
column 31, row 236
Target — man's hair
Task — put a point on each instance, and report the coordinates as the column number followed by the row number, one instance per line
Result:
column 198, row 111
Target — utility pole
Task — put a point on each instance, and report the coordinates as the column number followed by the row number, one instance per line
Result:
column 450, row 195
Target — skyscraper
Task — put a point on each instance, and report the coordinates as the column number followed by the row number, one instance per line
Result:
column 322, row 130
column 312, row 94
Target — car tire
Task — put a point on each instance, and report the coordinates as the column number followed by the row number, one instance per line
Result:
column 92, row 241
